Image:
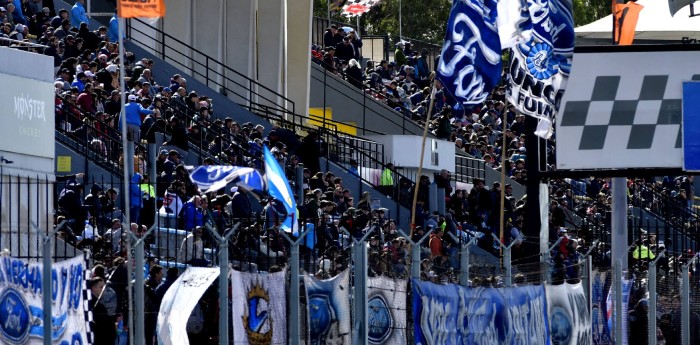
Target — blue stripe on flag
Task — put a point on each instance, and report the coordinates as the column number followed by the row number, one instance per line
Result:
column 278, row 188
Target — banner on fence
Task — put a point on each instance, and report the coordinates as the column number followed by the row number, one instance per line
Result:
column 610, row 310
column 328, row 307
column 567, row 311
column 601, row 336
column 386, row 310
column 259, row 309
column 179, row 301
column 451, row 314
column 21, row 302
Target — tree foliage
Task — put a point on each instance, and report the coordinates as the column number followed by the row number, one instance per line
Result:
column 425, row 20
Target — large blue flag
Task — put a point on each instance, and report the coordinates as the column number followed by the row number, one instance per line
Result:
column 470, row 62
column 278, row 188
column 210, row 178
column 541, row 57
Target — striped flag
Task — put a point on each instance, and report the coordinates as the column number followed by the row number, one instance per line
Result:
column 278, row 188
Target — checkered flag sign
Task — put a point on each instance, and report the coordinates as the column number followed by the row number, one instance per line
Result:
column 623, row 115
column 354, row 8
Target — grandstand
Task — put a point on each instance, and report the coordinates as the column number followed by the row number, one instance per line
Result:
column 348, row 152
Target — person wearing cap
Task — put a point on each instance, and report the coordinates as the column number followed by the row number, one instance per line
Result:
column 345, row 50
column 399, row 55
column 78, row 14
column 79, row 82
column 134, row 113
column 58, row 18
column 329, row 60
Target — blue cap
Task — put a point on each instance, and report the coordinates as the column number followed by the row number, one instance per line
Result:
column 167, row 89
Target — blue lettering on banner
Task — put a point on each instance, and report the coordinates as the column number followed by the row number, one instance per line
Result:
column 451, row 314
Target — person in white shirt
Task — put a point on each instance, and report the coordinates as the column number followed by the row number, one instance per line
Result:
column 114, row 235
column 192, row 249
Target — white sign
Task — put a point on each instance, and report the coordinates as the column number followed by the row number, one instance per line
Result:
column 21, row 302
column 259, row 310
column 178, row 303
column 624, row 109
column 28, row 118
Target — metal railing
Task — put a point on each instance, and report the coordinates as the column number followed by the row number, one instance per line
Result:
column 211, row 71
column 469, row 168
column 397, row 119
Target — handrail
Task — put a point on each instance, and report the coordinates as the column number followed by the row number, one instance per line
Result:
column 161, row 40
column 365, row 97
column 23, row 43
column 112, row 144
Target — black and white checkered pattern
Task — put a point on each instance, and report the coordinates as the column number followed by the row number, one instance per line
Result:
column 354, row 8
column 622, row 108
column 87, row 297
column 603, row 118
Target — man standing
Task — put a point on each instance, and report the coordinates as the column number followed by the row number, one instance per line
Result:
column 192, row 249
column 386, row 183
column 78, row 14
column 133, row 112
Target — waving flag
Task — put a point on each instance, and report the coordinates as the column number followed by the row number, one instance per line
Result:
column 146, row 9
column 214, row 177
column 470, row 62
column 278, row 188
column 541, row 57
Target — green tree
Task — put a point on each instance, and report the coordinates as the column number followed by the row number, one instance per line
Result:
column 587, row 11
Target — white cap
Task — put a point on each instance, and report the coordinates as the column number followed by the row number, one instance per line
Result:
column 89, row 74
column 234, row 189
column 132, row 97
column 111, row 68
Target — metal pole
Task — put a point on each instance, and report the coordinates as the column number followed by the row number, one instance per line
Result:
column 619, row 221
column 685, row 301
column 464, row 259
column 509, row 267
column 506, row 260
column 589, row 282
column 125, row 191
column 46, row 281
column 415, row 252
column 139, row 331
column 294, row 326
column 223, row 280
column 618, row 302
column 400, row 22
column 652, row 298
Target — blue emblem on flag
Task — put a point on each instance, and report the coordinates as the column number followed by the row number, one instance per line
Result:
column 379, row 319
column 14, row 317
column 470, row 62
column 560, row 326
column 321, row 315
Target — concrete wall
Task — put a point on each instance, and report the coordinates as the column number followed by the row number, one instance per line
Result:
column 404, row 151
column 350, row 105
column 247, row 36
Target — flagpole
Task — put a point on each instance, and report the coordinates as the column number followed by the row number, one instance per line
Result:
column 126, row 189
column 422, row 154
column 504, row 152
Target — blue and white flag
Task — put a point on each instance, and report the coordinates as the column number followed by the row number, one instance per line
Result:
column 568, row 316
column 386, row 310
column 540, row 63
column 278, row 188
column 210, row 178
column 259, row 308
column 470, row 62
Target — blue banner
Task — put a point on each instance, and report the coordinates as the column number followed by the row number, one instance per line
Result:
column 601, row 336
column 210, row 178
column 451, row 314
column 470, row 62
column 691, row 125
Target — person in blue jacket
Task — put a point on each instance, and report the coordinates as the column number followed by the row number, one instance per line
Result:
column 113, row 30
column 78, row 14
column 134, row 111
column 135, row 196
